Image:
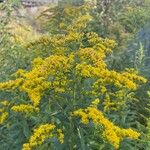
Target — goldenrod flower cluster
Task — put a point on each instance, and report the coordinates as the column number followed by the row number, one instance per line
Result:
column 92, row 64
column 112, row 133
column 25, row 108
column 107, row 103
column 41, row 134
column 4, row 103
column 35, row 81
column 11, row 85
column 3, row 117
column 60, row 135
column 3, row 113
column 22, row 33
column 74, row 12
column 53, row 71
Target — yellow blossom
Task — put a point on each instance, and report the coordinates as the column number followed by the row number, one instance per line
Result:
column 95, row 102
column 40, row 134
column 112, row 133
column 4, row 103
column 60, row 136
column 3, row 117
column 25, row 108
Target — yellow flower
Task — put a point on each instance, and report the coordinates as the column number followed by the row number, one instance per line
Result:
column 26, row 147
column 95, row 102
column 42, row 133
column 60, row 135
column 3, row 117
column 4, row 103
column 25, row 108
column 112, row 133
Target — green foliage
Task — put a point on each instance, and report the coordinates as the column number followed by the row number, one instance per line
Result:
column 116, row 19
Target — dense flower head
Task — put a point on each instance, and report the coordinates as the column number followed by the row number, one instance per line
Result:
column 4, row 105
column 112, row 133
column 3, row 116
column 42, row 133
column 35, row 81
column 25, row 108
column 60, row 135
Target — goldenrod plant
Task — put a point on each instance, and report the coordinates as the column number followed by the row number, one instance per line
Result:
column 47, row 98
column 68, row 97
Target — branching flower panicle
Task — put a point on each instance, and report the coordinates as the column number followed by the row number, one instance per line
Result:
column 112, row 133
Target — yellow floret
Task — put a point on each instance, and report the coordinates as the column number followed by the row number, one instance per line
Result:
column 3, row 117
column 42, row 133
column 25, row 108
column 112, row 133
